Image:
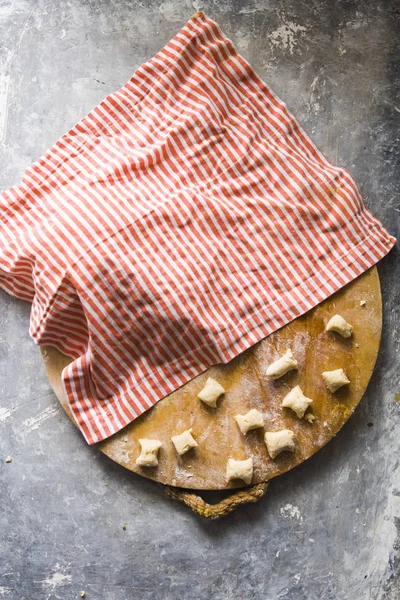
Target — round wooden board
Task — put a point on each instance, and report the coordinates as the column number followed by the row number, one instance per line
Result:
column 246, row 387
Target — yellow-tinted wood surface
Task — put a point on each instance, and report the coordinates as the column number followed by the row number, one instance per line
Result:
column 216, row 430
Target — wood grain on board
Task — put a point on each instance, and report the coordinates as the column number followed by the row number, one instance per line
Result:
column 246, row 386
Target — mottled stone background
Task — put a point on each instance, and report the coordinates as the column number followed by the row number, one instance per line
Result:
column 329, row 530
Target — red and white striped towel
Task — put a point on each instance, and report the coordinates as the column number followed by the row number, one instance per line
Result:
column 181, row 221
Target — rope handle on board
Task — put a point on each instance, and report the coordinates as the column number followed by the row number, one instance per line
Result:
column 215, row 511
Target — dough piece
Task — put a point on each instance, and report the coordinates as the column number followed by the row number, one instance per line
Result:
column 338, row 324
column 184, row 441
column 310, row 417
column 251, row 420
column 335, row 379
column 362, row 303
column 240, row 469
column 211, row 392
column 283, row 365
column 148, row 456
column 280, row 441
column 297, row 401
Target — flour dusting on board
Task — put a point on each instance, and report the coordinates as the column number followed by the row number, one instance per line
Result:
column 182, row 473
column 122, row 454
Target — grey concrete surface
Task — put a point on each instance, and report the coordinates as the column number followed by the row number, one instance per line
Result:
column 330, row 529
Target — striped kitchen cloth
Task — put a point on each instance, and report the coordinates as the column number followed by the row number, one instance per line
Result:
column 184, row 219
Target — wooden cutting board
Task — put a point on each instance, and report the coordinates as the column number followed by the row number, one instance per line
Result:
column 246, row 387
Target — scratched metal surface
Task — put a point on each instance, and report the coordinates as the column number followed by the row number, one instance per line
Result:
column 72, row 520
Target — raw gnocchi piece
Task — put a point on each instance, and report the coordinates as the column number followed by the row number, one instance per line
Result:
column 239, row 469
column 251, row 420
column 335, row 379
column 297, row 401
column 149, row 454
column 184, row 441
column 211, row 392
column 283, row 365
column 338, row 324
column 280, row 441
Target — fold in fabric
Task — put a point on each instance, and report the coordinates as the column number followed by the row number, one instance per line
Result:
column 181, row 221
